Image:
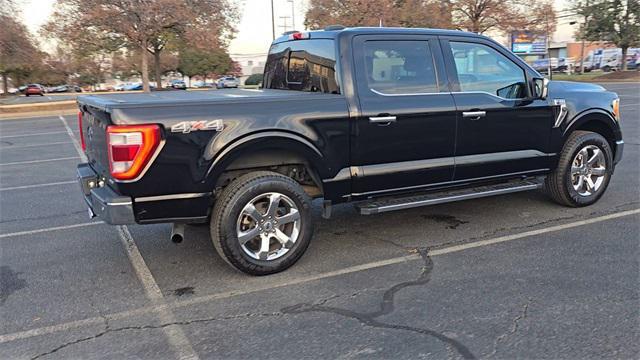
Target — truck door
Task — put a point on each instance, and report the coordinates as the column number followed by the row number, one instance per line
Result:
column 404, row 134
column 500, row 133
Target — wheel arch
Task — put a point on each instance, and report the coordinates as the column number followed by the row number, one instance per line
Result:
column 598, row 121
column 275, row 150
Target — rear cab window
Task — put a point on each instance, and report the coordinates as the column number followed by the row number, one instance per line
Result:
column 302, row 65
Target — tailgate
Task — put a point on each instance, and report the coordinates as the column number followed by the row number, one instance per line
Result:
column 94, row 133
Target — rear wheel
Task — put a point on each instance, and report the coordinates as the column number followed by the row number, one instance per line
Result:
column 262, row 223
column 583, row 171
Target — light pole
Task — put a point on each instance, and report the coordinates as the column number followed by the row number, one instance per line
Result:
column 548, row 44
column 581, row 47
column 273, row 22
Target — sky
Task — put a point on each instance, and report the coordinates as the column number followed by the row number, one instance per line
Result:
column 254, row 30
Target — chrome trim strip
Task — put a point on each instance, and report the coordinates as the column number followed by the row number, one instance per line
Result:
column 118, row 203
column 342, row 175
column 171, row 197
column 409, row 94
column 563, row 111
column 483, row 92
column 620, row 142
column 405, row 166
column 499, row 156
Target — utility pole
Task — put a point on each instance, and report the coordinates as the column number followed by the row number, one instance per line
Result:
column 548, row 43
column 582, row 39
column 273, row 22
column 293, row 15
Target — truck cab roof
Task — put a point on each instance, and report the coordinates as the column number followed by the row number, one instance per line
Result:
column 333, row 33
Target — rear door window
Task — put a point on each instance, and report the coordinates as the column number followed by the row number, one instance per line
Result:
column 400, row 67
column 303, row 65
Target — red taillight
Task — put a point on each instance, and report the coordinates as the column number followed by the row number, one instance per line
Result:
column 84, row 145
column 131, row 147
column 299, row 36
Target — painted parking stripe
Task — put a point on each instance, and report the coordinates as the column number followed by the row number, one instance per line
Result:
column 33, row 134
column 39, row 161
column 38, row 185
column 73, row 138
column 9, row 147
column 305, row 279
column 55, row 228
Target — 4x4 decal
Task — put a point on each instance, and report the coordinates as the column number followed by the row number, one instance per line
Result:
column 186, row 127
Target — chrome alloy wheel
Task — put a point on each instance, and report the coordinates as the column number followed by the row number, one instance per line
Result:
column 268, row 226
column 588, row 170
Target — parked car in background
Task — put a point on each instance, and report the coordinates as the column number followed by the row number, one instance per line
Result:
column 227, row 82
column 34, row 89
column 120, row 87
column 137, row 86
column 65, row 88
column 178, row 84
column 202, row 84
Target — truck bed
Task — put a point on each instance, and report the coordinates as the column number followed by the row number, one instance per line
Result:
column 109, row 102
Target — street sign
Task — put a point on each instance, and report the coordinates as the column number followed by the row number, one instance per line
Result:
column 528, row 43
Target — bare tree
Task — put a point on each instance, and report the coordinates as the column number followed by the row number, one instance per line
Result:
column 473, row 15
column 19, row 54
column 480, row 16
column 148, row 25
column 407, row 13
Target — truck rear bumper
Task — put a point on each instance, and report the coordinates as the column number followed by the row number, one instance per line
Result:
column 102, row 201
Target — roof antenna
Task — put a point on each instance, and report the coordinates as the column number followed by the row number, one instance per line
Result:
column 380, row 24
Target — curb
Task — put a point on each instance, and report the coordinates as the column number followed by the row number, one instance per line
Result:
column 38, row 107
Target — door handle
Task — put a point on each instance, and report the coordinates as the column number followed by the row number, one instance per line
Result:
column 382, row 120
column 474, row 115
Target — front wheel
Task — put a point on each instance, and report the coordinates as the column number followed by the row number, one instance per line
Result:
column 584, row 170
column 262, row 223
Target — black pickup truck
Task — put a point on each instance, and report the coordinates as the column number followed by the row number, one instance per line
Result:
column 388, row 118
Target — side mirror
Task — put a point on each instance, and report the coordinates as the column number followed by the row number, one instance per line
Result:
column 540, row 88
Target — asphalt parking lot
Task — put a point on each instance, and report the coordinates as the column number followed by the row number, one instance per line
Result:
column 502, row 277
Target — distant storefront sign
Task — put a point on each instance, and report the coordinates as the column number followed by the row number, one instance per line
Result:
column 528, row 43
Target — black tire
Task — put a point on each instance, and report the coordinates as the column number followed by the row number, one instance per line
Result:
column 559, row 186
column 228, row 208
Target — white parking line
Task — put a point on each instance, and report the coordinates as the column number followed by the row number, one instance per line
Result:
column 38, row 185
column 302, row 280
column 9, row 147
column 174, row 333
column 32, row 134
column 73, row 138
column 38, row 161
column 55, row 228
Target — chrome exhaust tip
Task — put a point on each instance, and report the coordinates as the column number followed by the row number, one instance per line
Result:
column 177, row 233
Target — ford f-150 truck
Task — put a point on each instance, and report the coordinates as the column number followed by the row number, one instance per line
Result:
column 387, row 118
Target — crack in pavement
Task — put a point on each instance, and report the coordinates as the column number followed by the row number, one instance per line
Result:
column 109, row 330
column 387, row 306
column 514, row 328
column 523, row 227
